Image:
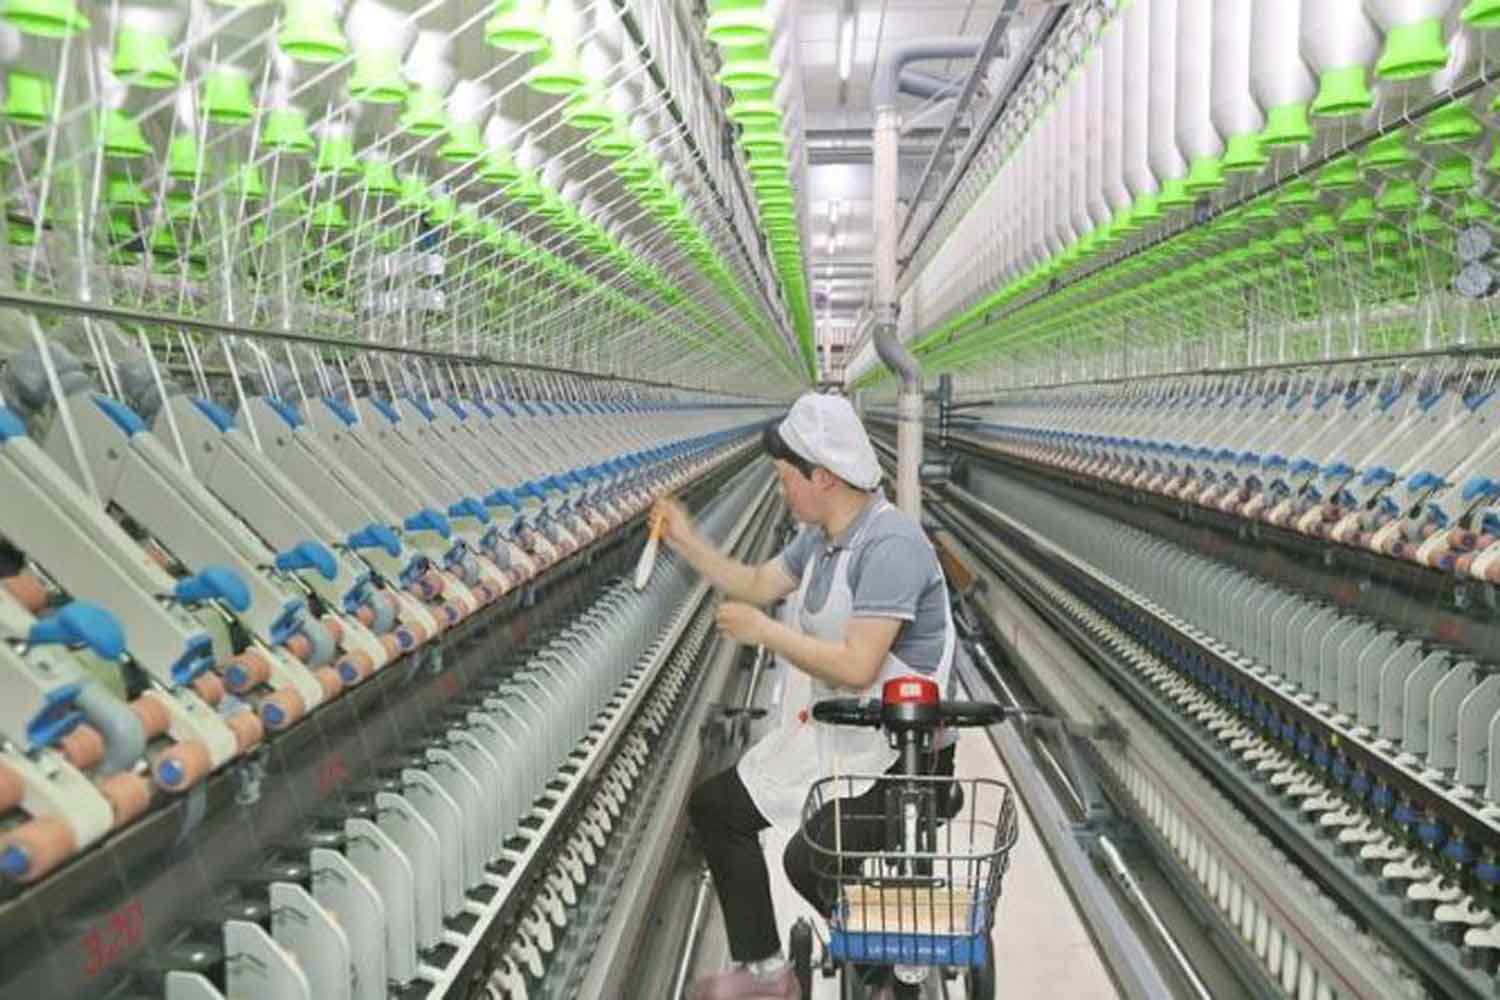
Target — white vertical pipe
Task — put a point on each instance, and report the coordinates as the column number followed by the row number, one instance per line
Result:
column 1116, row 191
column 1093, row 138
column 1136, row 109
column 1236, row 114
column 1340, row 45
column 1166, row 159
column 1075, row 155
column 1281, row 81
column 1199, row 141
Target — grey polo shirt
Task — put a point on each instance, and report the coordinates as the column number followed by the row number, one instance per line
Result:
column 893, row 573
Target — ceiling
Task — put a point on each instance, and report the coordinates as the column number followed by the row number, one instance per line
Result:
column 838, row 120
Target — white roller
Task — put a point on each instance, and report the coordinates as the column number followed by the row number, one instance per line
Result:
column 1197, row 138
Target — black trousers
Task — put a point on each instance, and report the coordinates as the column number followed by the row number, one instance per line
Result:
column 729, row 825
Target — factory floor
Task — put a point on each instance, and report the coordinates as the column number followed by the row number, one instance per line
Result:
column 1042, row 948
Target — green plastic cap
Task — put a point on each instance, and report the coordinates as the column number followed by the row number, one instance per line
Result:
column 1340, row 175
column 1474, row 209
column 441, row 209
column 310, row 32
column 424, row 115
column 1453, row 174
column 1482, row 14
column 498, row 167
column 1342, row 92
column 329, row 215
column 414, row 191
column 226, row 97
column 182, row 157
column 1399, row 197
column 615, row 144
column 336, row 156
column 1297, row 194
column 1389, row 152
column 44, row 18
column 748, row 70
column 122, row 191
column 377, row 78
column 518, row 26
column 1243, row 154
column 285, row 131
column 764, row 139
column 1174, row 194
column 1289, row 238
column 1205, row 174
column 28, row 98
column 122, row 136
column 1358, row 214
column 735, row 23
column 1452, row 123
column 144, row 59
column 753, row 111
column 464, row 144
column 248, row 182
column 557, row 72
column 1413, row 50
column 588, row 111
column 1286, row 126
column 380, row 178
column 1146, row 210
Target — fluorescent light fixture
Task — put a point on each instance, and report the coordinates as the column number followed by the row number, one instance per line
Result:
column 846, row 46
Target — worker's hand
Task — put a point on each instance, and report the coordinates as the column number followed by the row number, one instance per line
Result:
column 744, row 623
column 676, row 523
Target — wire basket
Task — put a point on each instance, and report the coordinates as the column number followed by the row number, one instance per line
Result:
column 894, row 903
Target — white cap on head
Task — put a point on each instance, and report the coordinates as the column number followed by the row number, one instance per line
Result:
column 825, row 430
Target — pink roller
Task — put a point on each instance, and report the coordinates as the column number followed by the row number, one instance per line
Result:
column 330, row 681
column 31, row 850
column 181, row 765
column 128, row 795
column 12, row 789
column 209, row 687
column 30, row 592
column 153, row 715
column 83, row 746
column 247, row 728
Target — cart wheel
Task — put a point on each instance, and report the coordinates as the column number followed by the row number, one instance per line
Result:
column 979, row 981
column 800, row 945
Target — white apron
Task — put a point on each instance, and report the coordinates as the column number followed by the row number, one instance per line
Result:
column 779, row 769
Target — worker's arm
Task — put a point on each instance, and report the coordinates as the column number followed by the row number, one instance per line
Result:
column 853, row 662
column 753, row 584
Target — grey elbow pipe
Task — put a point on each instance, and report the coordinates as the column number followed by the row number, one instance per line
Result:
column 896, row 357
column 124, row 739
column 897, row 57
column 927, row 86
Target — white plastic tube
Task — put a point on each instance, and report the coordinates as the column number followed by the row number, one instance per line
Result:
column 1116, row 191
column 1340, row 45
column 1076, row 154
column 1236, row 114
column 1280, row 80
column 1095, row 127
column 1166, row 159
column 1056, row 233
column 1135, row 114
column 1197, row 138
